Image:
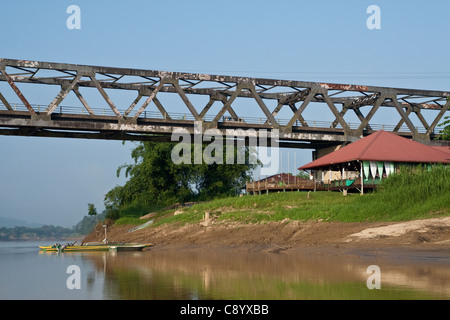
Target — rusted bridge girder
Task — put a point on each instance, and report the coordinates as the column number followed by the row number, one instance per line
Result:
column 138, row 120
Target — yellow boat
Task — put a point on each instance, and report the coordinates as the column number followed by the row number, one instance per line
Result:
column 94, row 247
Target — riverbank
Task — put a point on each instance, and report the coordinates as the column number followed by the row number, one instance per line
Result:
column 286, row 236
column 409, row 209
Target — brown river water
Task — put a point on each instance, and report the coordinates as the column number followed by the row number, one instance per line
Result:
column 221, row 274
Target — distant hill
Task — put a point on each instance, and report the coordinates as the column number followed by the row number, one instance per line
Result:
column 11, row 223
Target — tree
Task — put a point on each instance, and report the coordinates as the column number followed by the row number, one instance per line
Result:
column 88, row 223
column 153, row 177
column 155, row 180
column 302, row 175
column 445, row 134
column 92, row 211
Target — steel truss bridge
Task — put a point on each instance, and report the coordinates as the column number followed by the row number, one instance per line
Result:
column 146, row 118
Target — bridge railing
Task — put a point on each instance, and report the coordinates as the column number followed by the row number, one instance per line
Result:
column 72, row 110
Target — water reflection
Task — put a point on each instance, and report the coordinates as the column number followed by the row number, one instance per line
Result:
column 178, row 274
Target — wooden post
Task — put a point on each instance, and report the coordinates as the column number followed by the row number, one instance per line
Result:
column 329, row 181
column 362, row 178
column 106, row 237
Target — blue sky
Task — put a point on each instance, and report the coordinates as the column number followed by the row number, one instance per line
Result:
column 49, row 180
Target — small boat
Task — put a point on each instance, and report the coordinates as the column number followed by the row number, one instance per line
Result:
column 131, row 247
column 72, row 247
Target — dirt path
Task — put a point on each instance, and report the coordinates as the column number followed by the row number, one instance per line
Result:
column 287, row 236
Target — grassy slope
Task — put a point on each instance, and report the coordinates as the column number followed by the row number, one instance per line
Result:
column 403, row 196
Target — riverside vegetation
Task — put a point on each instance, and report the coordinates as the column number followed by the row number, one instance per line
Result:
column 50, row 232
column 404, row 196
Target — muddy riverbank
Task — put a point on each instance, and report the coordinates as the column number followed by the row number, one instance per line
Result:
column 287, row 236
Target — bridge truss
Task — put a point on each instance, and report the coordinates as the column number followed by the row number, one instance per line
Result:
column 147, row 118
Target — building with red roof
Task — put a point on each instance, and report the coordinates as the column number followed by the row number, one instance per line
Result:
column 375, row 156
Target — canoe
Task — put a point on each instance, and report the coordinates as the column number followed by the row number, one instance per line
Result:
column 96, row 247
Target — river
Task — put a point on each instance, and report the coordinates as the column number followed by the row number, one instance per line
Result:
column 27, row 274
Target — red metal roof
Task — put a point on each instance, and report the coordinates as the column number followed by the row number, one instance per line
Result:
column 442, row 148
column 382, row 146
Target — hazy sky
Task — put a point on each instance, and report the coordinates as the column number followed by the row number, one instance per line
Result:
column 51, row 180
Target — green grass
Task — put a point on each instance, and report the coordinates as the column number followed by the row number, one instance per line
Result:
column 129, row 220
column 404, row 196
column 412, row 194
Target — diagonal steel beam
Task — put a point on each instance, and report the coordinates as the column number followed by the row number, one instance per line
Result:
column 106, row 97
column 133, row 104
column 62, row 95
column 236, row 92
column 186, row 100
column 149, row 99
column 299, row 111
column 263, row 106
column 404, row 116
column 5, row 102
column 290, row 100
column 207, row 107
column 300, row 118
column 278, row 108
column 335, row 111
column 161, row 109
column 400, row 123
column 361, row 118
column 17, row 91
column 365, row 122
column 230, row 109
column 342, row 113
column 214, row 98
column 421, row 118
column 439, row 117
column 83, row 101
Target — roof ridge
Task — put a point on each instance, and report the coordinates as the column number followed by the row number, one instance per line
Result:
column 376, row 135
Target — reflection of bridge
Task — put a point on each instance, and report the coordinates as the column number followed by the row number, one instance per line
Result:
column 148, row 114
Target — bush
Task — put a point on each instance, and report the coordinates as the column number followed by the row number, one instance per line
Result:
column 414, row 192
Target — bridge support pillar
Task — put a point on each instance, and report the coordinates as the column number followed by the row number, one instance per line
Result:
column 352, row 135
column 422, row 138
column 320, row 152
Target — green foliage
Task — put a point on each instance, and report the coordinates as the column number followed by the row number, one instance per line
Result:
column 92, row 211
column 129, row 220
column 47, row 232
column 446, row 128
column 155, row 181
column 44, row 232
column 414, row 193
column 302, row 175
column 88, row 223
